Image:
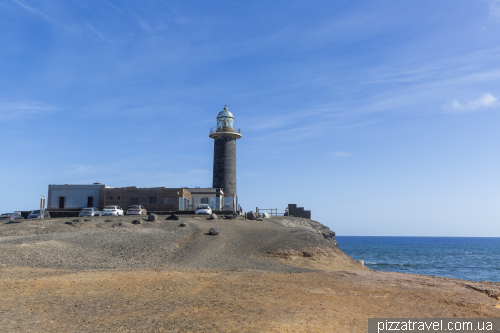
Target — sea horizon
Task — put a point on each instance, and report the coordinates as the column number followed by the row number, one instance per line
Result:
column 469, row 258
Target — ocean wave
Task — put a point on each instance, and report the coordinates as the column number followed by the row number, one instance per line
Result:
column 386, row 264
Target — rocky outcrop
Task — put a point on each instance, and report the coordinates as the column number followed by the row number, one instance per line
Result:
column 297, row 222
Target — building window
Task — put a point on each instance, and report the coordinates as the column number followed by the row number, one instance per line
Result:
column 152, row 200
column 90, row 201
column 170, row 200
column 117, row 198
column 110, row 198
column 62, row 202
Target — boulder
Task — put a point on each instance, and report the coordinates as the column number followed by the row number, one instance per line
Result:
column 213, row 231
column 266, row 215
column 231, row 216
column 251, row 216
column 213, row 217
column 173, row 217
column 108, row 220
column 87, row 220
column 182, row 224
column 136, row 222
column 76, row 220
column 152, row 217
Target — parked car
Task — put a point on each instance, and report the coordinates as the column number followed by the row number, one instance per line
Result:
column 203, row 209
column 137, row 210
column 11, row 216
column 113, row 211
column 90, row 211
column 36, row 214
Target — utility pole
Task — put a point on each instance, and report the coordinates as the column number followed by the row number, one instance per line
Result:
column 42, row 207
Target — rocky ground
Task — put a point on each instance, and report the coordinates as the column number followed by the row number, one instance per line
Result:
column 277, row 275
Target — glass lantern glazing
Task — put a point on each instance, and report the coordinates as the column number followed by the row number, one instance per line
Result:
column 225, row 119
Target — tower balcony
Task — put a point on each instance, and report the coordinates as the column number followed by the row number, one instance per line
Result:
column 216, row 132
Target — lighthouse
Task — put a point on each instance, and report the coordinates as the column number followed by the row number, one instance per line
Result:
column 224, row 176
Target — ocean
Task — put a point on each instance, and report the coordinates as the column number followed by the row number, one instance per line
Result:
column 470, row 258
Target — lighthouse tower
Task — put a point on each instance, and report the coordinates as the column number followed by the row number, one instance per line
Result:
column 225, row 136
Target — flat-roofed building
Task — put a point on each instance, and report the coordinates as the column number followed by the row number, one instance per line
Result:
column 65, row 198
column 152, row 198
column 211, row 196
column 74, row 197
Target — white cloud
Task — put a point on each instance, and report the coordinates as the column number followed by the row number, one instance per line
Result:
column 494, row 7
column 22, row 109
column 342, row 154
column 486, row 101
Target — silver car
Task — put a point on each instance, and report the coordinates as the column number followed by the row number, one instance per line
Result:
column 36, row 214
column 90, row 211
column 11, row 216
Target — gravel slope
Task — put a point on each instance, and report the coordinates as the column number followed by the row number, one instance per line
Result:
column 277, row 275
column 116, row 243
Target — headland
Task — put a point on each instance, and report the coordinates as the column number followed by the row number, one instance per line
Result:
column 282, row 274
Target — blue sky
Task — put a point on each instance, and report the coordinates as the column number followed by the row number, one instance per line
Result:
column 380, row 117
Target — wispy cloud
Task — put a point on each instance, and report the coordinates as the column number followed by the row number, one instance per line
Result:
column 94, row 30
column 60, row 17
column 342, row 154
column 494, row 7
column 81, row 168
column 23, row 109
column 34, row 11
column 486, row 101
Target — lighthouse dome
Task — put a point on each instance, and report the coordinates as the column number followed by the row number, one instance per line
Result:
column 225, row 119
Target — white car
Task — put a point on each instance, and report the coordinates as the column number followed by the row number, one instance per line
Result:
column 203, row 209
column 113, row 211
column 137, row 210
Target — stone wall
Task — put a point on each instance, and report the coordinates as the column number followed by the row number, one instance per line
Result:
column 166, row 199
column 295, row 211
column 224, row 175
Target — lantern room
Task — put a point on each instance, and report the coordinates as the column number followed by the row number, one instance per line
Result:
column 225, row 119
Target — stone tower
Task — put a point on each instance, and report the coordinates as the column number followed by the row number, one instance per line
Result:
column 225, row 136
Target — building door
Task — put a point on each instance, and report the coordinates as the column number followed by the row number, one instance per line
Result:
column 90, row 202
column 62, row 202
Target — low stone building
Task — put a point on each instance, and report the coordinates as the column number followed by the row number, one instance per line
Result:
column 293, row 210
column 214, row 197
column 152, row 198
column 74, row 197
